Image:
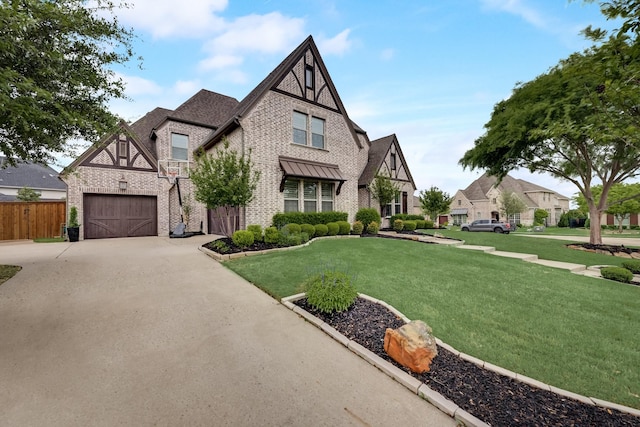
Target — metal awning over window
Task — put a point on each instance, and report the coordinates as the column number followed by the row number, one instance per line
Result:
column 459, row 211
column 297, row 168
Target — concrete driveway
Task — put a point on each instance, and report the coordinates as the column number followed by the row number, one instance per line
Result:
column 150, row 331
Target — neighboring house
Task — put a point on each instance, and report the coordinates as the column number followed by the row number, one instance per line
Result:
column 310, row 155
column 629, row 221
column 481, row 199
column 40, row 178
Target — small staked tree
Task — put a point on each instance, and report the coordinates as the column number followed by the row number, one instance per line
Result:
column 539, row 215
column 511, row 204
column 383, row 190
column 224, row 179
column 434, row 202
column 26, row 194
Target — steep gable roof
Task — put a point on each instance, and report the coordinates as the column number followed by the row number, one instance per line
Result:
column 33, row 175
column 144, row 126
column 270, row 83
column 479, row 188
column 377, row 153
column 207, row 108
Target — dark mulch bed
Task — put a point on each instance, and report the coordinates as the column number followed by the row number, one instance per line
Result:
column 604, row 249
column 493, row 398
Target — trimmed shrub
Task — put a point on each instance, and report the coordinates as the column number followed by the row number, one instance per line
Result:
column 344, row 227
column 288, row 239
column 330, row 291
column 367, row 215
column 428, row 224
column 271, row 235
column 633, row 265
column 332, row 229
column 410, row 225
column 398, row 225
column 242, row 238
column 313, row 218
column 358, row 227
column 291, row 229
column 618, row 274
column 587, row 223
column 309, row 229
column 421, row 224
column 321, row 230
column 405, row 217
column 373, row 228
column 304, row 237
column 257, row 232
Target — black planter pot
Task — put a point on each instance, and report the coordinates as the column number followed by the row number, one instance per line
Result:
column 73, row 233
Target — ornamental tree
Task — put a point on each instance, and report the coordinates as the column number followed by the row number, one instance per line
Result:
column 623, row 200
column 434, row 202
column 578, row 122
column 26, row 194
column 224, row 179
column 55, row 76
column 383, row 190
column 511, row 204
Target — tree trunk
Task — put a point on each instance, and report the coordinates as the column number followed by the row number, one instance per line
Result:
column 595, row 231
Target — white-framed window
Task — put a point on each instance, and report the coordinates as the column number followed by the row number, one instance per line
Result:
column 179, row 146
column 514, row 218
column 317, row 196
column 301, row 130
column 398, row 205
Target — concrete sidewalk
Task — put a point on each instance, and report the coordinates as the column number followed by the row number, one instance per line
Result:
column 150, row 331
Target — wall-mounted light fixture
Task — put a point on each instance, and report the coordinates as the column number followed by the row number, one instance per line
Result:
column 122, row 183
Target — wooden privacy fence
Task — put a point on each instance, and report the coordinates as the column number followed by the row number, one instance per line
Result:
column 31, row 220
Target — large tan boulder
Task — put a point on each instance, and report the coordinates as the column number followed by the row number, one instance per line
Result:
column 412, row 345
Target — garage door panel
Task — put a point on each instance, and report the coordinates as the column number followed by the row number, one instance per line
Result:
column 107, row 216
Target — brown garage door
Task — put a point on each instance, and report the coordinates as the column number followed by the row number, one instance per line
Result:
column 107, row 215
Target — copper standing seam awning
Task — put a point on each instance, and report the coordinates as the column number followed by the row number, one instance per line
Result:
column 297, row 168
column 459, row 211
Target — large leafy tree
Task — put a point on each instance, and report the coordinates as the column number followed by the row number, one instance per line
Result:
column 224, row 179
column 511, row 204
column 55, row 79
column 384, row 190
column 579, row 122
column 623, row 200
column 434, row 202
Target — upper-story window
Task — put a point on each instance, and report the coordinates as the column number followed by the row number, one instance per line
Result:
column 301, row 130
column 459, row 202
column 308, row 77
column 179, row 146
column 393, row 161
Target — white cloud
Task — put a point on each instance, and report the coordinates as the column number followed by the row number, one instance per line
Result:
column 170, row 18
column 217, row 62
column 139, row 86
column 183, row 87
column 338, row 45
column 519, row 8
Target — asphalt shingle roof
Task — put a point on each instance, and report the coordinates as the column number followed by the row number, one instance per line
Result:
column 32, row 175
column 479, row 188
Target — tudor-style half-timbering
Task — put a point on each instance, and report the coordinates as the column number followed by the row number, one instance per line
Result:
column 121, row 151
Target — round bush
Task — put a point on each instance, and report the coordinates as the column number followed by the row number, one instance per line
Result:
column 332, row 228
column 291, row 229
column 410, row 225
column 271, row 235
column 330, row 291
column 242, row 238
column 367, row 215
column 309, row 229
column 618, row 274
column 321, row 230
column 257, row 232
column 633, row 265
column 304, row 237
column 421, row 223
column 345, row 227
column 398, row 225
column 373, row 228
column 358, row 227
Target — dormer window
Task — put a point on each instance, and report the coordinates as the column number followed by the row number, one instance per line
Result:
column 308, row 77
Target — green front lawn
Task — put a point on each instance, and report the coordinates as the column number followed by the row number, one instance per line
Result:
column 574, row 332
column 551, row 249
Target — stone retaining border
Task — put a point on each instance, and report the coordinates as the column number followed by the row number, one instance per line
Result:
column 422, row 390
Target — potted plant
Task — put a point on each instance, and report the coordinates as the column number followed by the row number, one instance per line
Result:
column 73, row 228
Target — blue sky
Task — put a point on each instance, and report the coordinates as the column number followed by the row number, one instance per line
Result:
column 428, row 71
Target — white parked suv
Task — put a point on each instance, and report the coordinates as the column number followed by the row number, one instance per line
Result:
column 492, row 225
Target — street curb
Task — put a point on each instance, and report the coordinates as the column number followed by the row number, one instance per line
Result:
column 422, row 390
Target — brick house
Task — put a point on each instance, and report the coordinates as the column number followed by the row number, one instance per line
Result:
column 311, row 156
column 481, row 199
